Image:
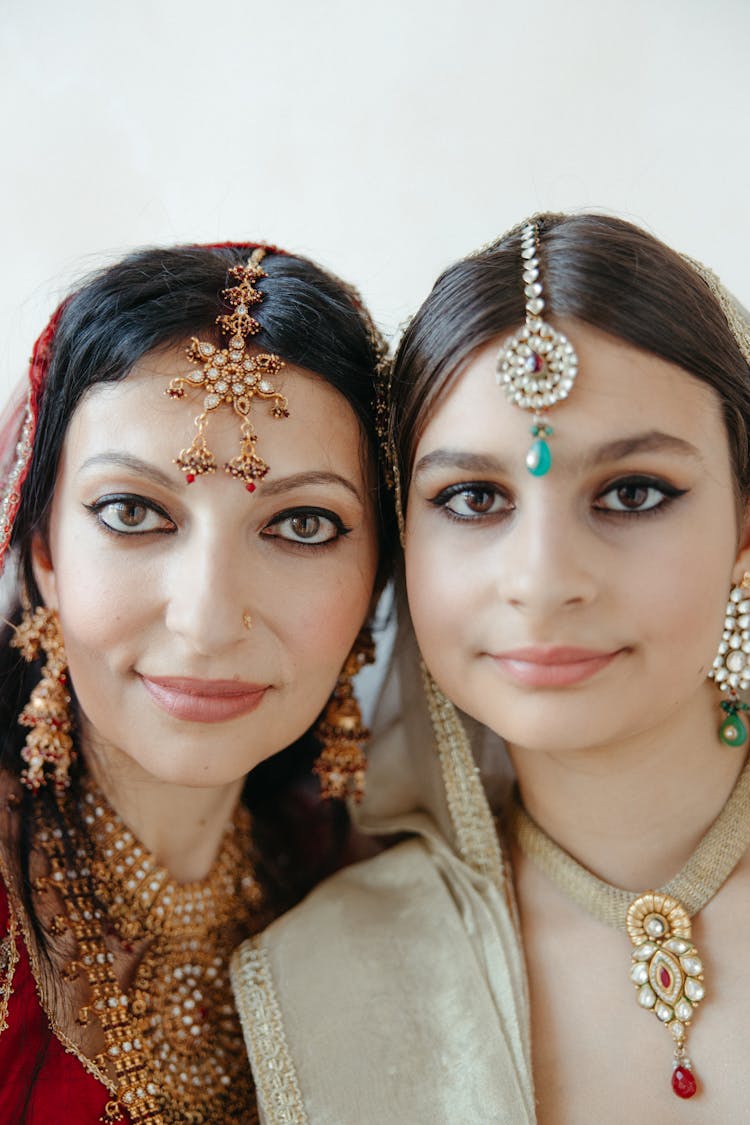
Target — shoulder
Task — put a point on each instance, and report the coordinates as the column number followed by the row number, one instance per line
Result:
column 381, row 892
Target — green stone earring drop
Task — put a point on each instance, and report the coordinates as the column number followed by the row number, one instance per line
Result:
column 733, row 731
column 536, row 367
column 731, row 668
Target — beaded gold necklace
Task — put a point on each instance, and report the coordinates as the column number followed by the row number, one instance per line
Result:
column 665, row 966
column 173, row 1048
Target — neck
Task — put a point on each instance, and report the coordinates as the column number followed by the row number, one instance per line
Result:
column 633, row 811
column 181, row 826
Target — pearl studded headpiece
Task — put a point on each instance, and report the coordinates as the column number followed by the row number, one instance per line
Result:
column 537, row 366
column 232, row 376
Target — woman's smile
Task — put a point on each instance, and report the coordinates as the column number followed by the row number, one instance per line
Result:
column 203, row 701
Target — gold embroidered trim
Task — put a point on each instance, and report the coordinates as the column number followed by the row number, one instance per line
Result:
column 738, row 326
column 467, row 803
column 10, row 496
column 8, row 962
column 276, row 1083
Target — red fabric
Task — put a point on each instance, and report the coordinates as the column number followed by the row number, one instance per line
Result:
column 40, row 1082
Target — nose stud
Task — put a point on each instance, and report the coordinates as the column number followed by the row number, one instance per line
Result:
column 247, row 621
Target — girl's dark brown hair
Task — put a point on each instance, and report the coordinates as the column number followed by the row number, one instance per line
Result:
column 597, row 269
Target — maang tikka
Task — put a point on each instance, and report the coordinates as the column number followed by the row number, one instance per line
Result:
column 232, row 376
column 537, row 366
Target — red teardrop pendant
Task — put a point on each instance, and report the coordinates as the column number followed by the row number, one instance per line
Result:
column 683, row 1082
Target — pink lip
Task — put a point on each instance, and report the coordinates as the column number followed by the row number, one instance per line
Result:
column 550, row 666
column 203, row 701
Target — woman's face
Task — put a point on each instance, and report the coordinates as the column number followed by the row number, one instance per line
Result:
column 585, row 606
column 153, row 577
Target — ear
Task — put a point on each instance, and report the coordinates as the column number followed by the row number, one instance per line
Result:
column 44, row 571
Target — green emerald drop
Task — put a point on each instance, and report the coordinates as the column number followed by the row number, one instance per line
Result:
column 733, row 731
column 539, row 458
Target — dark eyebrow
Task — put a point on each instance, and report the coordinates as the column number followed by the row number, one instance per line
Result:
column 270, row 487
column 298, row 480
column 653, row 441
column 459, row 459
column 128, row 461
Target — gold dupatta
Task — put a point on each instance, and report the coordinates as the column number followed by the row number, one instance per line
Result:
column 396, row 991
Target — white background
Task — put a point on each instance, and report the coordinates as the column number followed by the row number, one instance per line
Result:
column 384, row 139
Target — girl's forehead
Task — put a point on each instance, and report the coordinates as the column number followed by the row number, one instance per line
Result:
column 619, row 390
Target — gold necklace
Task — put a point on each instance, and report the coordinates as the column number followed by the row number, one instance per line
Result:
column 173, row 1044
column 665, row 966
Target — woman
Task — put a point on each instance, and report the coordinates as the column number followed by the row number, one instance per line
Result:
column 192, row 503
column 570, row 451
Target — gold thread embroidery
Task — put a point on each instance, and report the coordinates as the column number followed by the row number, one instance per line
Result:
column 11, row 496
column 467, row 803
column 8, row 962
column 276, row 1082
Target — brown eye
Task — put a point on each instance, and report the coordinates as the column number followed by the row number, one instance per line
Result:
column 477, row 501
column 636, row 494
column 632, row 495
column 130, row 514
column 305, row 527
column 472, row 502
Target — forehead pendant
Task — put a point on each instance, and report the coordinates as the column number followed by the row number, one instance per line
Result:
column 536, row 367
column 231, row 376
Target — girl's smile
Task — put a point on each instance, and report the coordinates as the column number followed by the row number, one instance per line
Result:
column 550, row 666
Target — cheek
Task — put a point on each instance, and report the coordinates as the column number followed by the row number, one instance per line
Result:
column 101, row 606
column 320, row 622
column 439, row 590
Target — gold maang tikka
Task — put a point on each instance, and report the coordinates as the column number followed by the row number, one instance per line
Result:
column 537, row 366
column 232, row 376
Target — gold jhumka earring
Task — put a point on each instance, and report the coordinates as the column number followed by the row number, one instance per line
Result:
column 342, row 763
column 232, row 376
column 731, row 668
column 49, row 751
column 537, row 366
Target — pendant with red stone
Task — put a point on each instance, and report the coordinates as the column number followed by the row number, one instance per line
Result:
column 667, row 973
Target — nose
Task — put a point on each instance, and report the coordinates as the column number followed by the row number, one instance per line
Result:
column 209, row 588
column 547, row 563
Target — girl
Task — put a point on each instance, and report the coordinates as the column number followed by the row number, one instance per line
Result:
column 569, row 447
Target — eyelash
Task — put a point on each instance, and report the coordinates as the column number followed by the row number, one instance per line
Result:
column 302, row 513
column 466, row 488
column 669, row 494
column 129, row 500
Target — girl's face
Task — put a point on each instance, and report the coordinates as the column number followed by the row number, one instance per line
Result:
column 152, row 577
column 583, row 607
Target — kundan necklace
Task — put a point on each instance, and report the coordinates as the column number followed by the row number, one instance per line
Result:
column 665, row 966
column 173, row 1047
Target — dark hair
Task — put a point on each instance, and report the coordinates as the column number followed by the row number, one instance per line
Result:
column 154, row 299
column 597, row 269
